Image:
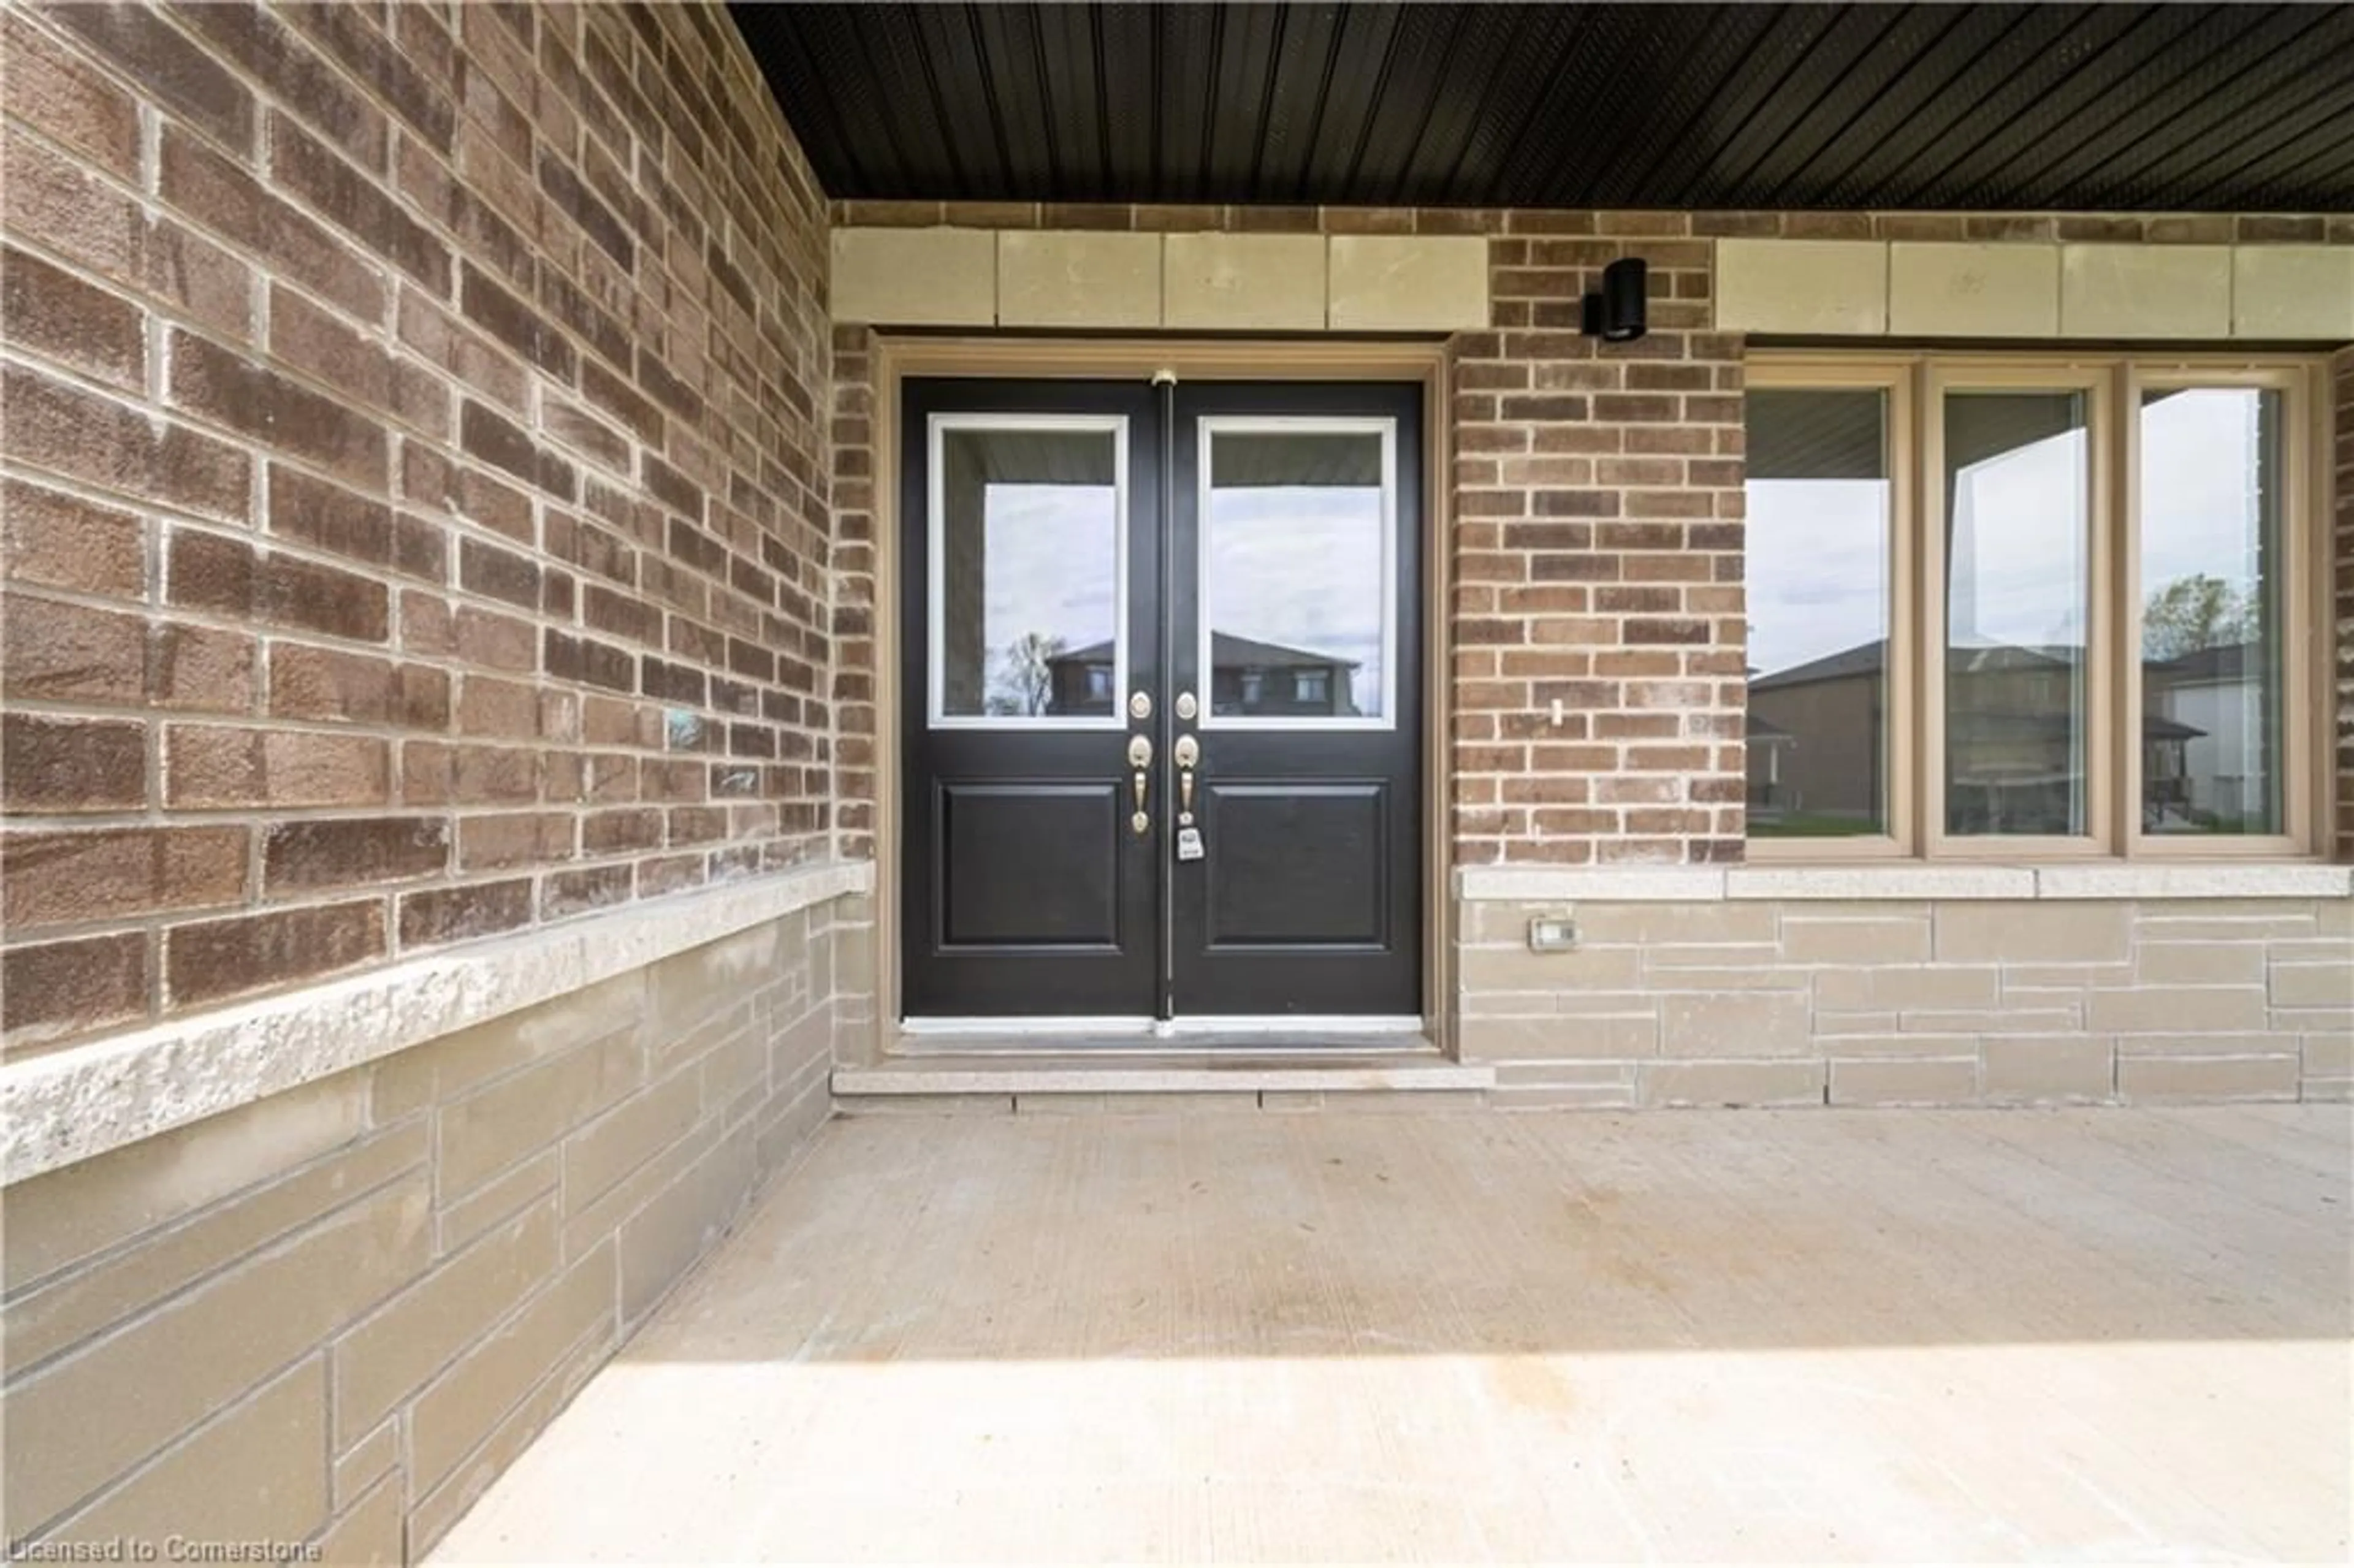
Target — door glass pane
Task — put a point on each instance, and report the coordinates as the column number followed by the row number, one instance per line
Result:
column 1026, row 558
column 1295, row 594
column 1819, row 515
column 2212, row 469
column 2017, row 591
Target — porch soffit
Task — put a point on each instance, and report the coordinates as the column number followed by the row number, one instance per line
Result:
column 2010, row 107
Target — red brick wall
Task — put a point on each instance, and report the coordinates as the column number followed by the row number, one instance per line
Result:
column 416, row 522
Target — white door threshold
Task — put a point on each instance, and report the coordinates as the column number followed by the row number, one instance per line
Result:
column 1306, row 1048
column 961, row 1036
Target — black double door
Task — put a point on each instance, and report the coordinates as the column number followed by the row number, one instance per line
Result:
column 1162, row 700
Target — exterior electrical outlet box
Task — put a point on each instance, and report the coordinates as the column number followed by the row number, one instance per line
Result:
column 1551, row 934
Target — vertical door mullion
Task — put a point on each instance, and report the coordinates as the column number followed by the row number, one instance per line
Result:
column 1179, row 602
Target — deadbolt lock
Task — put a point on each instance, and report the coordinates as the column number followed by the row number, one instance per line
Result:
column 1186, row 706
column 1139, row 705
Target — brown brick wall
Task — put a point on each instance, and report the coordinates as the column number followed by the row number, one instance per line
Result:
column 854, row 608
column 1597, row 499
column 1598, row 507
column 416, row 516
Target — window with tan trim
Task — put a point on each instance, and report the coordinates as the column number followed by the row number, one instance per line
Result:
column 2027, row 607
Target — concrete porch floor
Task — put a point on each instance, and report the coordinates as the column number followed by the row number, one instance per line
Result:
column 1239, row 1337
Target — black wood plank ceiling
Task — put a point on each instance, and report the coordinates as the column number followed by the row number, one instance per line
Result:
column 2176, row 107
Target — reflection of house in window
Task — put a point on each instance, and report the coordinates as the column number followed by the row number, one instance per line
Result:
column 1081, row 679
column 1817, row 743
column 2010, row 737
column 2215, row 702
column 1768, row 743
column 1249, row 679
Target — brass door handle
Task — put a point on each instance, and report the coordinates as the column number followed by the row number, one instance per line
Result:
column 1188, row 756
column 1139, row 759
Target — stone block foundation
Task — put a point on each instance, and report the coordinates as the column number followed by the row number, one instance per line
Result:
column 333, row 1315
column 1912, row 1000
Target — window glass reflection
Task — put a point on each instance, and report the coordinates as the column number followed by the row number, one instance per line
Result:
column 1817, row 540
column 1028, row 571
column 1294, row 593
column 2211, row 610
column 2017, row 588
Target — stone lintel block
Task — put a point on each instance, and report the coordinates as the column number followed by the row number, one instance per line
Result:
column 915, row 277
column 2292, row 292
column 1938, row 290
column 1408, row 282
column 2146, row 290
column 1827, row 287
column 1266, row 282
column 1078, row 278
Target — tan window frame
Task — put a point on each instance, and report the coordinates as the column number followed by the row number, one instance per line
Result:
column 1896, row 379
column 2303, row 615
column 1915, row 384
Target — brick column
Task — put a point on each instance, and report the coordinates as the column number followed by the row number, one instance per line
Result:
column 854, row 590
column 1598, row 512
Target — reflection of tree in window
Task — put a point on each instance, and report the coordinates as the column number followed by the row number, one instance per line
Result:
column 2195, row 612
column 2210, row 677
column 1022, row 675
column 1028, row 567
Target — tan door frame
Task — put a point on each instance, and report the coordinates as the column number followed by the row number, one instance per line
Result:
column 896, row 358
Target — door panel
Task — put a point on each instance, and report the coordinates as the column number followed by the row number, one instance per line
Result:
column 1293, row 599
column 1296, row 865
column 1059, row 842
column 1029, row 536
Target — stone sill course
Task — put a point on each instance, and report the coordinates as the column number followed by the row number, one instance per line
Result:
column 1910, row 881
column 81, row 1101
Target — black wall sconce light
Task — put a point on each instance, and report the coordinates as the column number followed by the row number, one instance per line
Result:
column 1616, row 313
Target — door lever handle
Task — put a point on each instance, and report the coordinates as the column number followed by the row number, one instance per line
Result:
column 1139, row 759
column 1187, row 755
